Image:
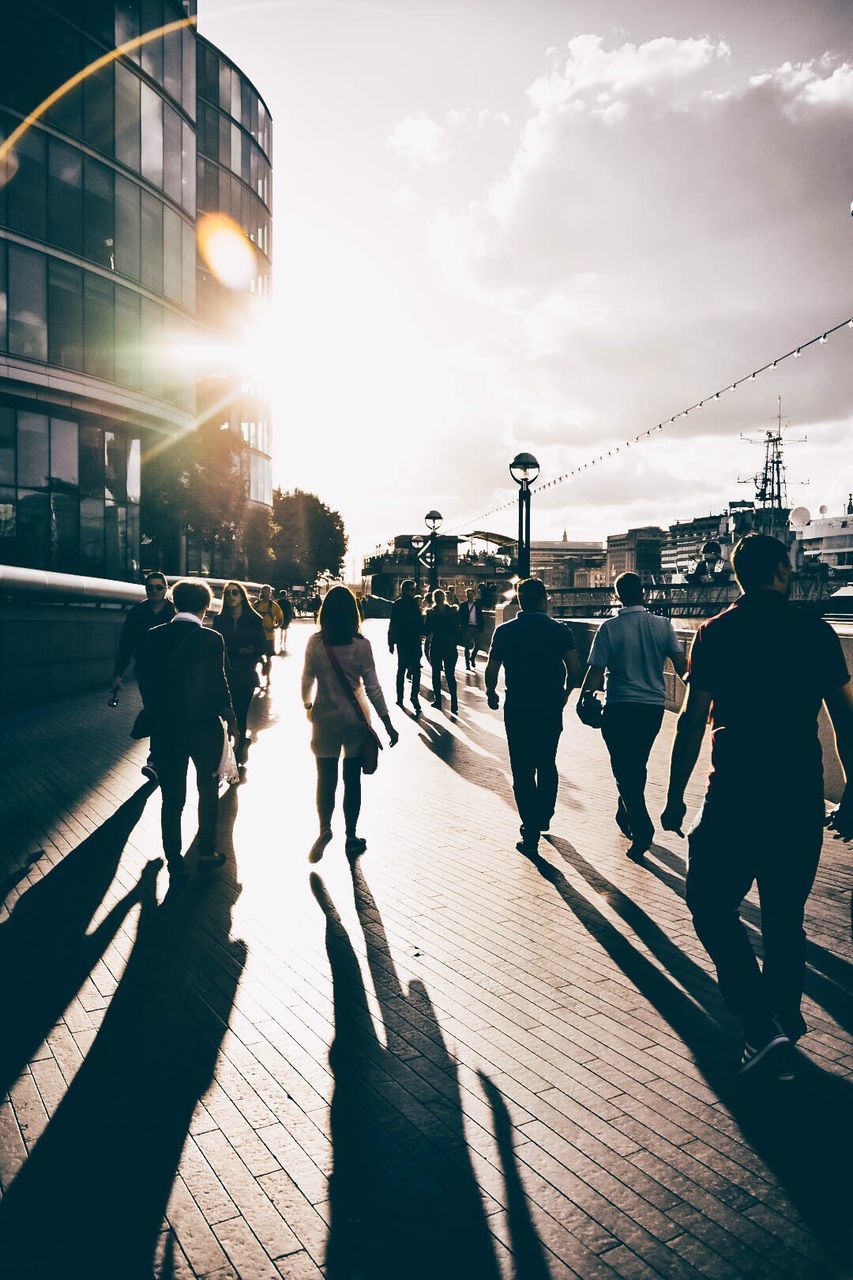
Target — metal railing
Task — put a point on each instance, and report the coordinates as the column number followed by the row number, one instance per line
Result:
column 69, row 588
column 673, row 600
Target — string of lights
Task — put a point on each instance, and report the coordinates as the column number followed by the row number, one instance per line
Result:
column 473, row 522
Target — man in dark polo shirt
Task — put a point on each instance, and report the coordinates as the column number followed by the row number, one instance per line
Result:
column 761, row 668
column 540, row 665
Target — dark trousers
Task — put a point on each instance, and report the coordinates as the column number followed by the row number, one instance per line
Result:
column 727, row 855
column 408, row 664
column 442, row 659
column 172, row 753
column 532, row 735
column 242, row 693
column 629, row 730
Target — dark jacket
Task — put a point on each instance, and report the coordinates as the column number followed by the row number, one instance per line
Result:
column 248, row 633
column 464, row 614
column 442, row 625
column 407, row 624
column 181, row 670
column 138, row 623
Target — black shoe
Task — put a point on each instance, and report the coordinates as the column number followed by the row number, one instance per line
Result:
column 624, row 825
column 528, row 847
column 436, row 702
column 354, row 846
column 794, row 1027
column 454, row 708
column 637, row 852
column 545, row 825
column 416, row 707
column 763, row 1049
column 399, row 702
column 149, row 772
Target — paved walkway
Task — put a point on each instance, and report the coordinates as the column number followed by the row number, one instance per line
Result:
column 447, row 1061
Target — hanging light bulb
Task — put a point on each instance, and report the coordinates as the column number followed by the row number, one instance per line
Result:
column 752, row 377
column 797, row 354
column 716, row 395
column 773, row 365
column 822, row 339
column 733, row 387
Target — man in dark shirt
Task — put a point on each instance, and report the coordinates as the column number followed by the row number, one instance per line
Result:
column 761, row 668
column 156, row 609
column 182, row 679
column 405, row 631
column 541, row 668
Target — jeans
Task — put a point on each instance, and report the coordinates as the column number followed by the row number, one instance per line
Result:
column 172, row 753
column 729, row 850
column 532, row 735
column 408, row 664
column 442, row 659
column 629, row 730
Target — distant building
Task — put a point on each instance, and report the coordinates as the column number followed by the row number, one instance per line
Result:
column 558, row 563
column 637, row 551
column 683, row 541
column 828, row 540
column 490, row 569
column 591, row 576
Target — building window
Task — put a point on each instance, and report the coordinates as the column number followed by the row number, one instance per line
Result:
column 128, row 144
column 33, row 529
column 151, row 54
column 27, row 304
column 26, row 194
column 134, row 470
column 115, row 540
column 33, row 451
column 65, row 196
column 65, row 302
column 98, row 326
column 172, row 154
column 64, row 532
column 172, row 240
column 152, row 242
column 98, row 118
column 64, row 456
column 115, row 467
column 92, row 534
column 188, row 169
column 7, row 446
column 7, row 515
column 128, row 228
column 127, row 355
column 91, row 462
column 98, row 205
column 188, row 266
column 152, row 136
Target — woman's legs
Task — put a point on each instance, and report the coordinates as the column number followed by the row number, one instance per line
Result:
column 327, row 782
column 352, row 794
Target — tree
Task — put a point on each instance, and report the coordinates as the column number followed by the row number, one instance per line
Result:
column 308, row 538
column 257, row 544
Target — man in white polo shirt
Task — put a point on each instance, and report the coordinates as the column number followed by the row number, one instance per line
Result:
column 631, row 650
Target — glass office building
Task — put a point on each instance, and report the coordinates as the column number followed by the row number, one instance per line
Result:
column 99, row 285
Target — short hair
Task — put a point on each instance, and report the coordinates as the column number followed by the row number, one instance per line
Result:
column 155, row 573
column 408, row 584
column 191, row 597
column 531, row 594
column 756, row 559
column 629, row 588
column 438, row 596
column 339, row 620
column 712, row 549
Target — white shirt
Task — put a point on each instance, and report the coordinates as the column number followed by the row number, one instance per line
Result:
column 632, row 648
column 188, row 617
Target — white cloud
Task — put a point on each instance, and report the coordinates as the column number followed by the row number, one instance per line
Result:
column 806, row 90
column 419, row 140
column 404, row 198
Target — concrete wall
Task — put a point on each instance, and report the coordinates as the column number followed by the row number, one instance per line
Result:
column 50, row 651
column 584, row 631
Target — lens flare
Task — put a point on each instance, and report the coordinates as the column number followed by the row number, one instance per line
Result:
column 226, row 250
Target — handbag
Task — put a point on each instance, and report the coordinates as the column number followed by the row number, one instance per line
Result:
column 226, row 770
column 372, row 746
column 590, row 710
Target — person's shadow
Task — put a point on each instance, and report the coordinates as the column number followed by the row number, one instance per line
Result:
column 89, row 1202
column 46, row 953
column 403, row 1197
column 802, row 1131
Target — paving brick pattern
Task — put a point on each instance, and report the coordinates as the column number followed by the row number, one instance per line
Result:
column 447, row 1060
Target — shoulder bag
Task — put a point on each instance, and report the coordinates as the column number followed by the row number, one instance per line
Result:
column 372, row 746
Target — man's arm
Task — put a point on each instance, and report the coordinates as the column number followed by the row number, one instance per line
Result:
column 839, row 704
column 685, row 752
column 593, row 681
column 679, row 663
column 493, row 667
column 573, row 670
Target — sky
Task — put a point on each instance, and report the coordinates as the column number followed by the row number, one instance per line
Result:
column 549, row 225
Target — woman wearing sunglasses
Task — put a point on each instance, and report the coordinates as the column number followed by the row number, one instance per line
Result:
column 242, row 629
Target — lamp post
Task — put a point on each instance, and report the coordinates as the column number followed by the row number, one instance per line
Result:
column 524, row 469
column 433, row 520
column 417, row 546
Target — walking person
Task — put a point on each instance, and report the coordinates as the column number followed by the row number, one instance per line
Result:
column 154, row 610
column 540, row 664
column 182, row 679
column 286, row 617
column 405, row 633
column 627, row 657
column 245, row 644
column 339, row 670
column 761, row 668
column 271, row 616
column 471, row 627
column 442, row 629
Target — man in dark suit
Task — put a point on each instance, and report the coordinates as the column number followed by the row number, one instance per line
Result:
column 181, row 669
column 405, row 633
column 471, row 623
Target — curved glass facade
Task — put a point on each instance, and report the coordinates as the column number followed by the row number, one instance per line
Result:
column 98, row 273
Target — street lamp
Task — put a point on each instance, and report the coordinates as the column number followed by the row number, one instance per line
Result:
column 524, row 469
column 417, row 546
column 433, row 520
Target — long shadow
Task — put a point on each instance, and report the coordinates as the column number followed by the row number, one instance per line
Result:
column 403, row 1197
column 458, row 756
column 45, row 951
column 829, row 978
column 89, row 1202
column 803, row 1131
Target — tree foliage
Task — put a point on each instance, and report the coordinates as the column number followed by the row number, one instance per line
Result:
column 308, row 538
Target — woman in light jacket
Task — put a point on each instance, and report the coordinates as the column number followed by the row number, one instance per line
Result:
column 337, row 725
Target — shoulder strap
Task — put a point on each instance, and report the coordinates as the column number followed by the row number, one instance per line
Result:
column 344, row 683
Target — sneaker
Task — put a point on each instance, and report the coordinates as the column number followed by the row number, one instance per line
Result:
column 416, row 707
column 528, row 847
column 623, row 824
column 794, row 1027
column 149, row 772
column 436, row 702
column 354, row 846
column 637, row 853
column 783, row 1063
column 755, row 1053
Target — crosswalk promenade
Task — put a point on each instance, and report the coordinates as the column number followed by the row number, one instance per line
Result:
column 442, row 1060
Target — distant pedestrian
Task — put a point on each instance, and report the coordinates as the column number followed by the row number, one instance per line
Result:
column 450, row 595
column 245, row 644
column 405, row 634
column 286, row 617
column 315, row 605
column 157, row 608
column 442, row 628
column 471, row 624
column 629, row 652
column 271, row 616
column 182, row 679
column 761, row 668
column 339, row 669
column 540, row 665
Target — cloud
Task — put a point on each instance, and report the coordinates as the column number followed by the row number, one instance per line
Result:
column 404, row 198
column 804, row 89
column 419, row 141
